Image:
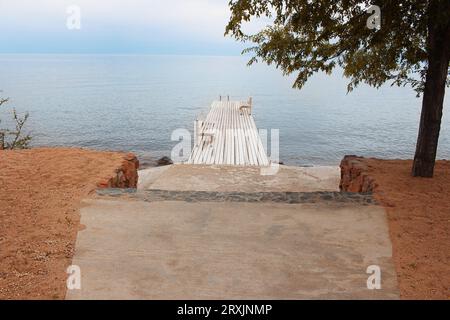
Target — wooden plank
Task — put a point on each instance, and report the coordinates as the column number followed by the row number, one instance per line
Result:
column 227, row 137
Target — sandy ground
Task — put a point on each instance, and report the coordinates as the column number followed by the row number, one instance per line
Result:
column 419, row 221
column 40, row 192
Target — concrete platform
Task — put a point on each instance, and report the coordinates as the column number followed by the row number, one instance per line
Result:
column 178, row 250
column 183, row 177
column 148, row 176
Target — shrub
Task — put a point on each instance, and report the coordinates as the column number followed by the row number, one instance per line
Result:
column 14, row 139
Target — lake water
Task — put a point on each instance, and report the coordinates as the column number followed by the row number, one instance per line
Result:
column 134, row 102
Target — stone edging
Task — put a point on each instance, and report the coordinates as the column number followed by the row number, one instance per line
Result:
column 257, row 197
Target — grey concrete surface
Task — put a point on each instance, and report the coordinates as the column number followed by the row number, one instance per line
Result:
column 148, row 176
column 183, row 177
column 178, row 250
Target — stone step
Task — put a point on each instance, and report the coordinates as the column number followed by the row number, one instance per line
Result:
column 249, row 197
column 182, row 177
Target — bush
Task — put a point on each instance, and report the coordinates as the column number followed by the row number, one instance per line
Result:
column 14, row 139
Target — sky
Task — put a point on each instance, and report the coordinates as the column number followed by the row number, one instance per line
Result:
column 116, row 26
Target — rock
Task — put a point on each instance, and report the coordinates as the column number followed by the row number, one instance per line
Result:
column 164, row 161
column 130, row 157
column 354, row 176
column 126, row 176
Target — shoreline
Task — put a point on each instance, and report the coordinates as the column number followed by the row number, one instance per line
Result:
column 41, row 191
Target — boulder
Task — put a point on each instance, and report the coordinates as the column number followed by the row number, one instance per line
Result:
column 355, row 176
column 164, row 161
column 125, row 176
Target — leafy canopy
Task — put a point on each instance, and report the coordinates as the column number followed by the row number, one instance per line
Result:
column 307, row 36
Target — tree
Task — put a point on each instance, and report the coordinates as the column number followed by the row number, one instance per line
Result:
column 14, row 139
column 411, row 47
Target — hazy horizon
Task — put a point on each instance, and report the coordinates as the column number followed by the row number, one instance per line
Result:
column 174, row 27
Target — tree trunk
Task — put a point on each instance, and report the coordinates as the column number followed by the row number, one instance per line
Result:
column 438, row 49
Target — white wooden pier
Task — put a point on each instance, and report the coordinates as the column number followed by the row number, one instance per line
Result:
column 228, row 136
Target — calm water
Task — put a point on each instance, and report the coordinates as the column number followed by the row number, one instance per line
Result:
column 126, row 102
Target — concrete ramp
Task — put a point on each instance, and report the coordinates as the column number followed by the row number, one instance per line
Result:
column 134, row 249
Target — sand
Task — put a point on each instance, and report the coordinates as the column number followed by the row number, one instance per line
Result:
column 40, row 194
column 419, row 221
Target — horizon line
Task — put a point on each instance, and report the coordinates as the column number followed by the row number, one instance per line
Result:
column 125, row 54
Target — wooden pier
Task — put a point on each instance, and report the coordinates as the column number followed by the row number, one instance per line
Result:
column 228, row 136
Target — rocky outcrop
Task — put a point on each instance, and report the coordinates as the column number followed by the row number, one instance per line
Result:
column 164, row 161
column 355, row 176
column 126, row 176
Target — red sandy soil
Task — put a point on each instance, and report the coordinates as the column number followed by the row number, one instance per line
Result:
column 419, row 222
column 40, row 194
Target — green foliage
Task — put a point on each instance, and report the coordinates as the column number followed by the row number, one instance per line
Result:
column 14, row 139
column 307, row 36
